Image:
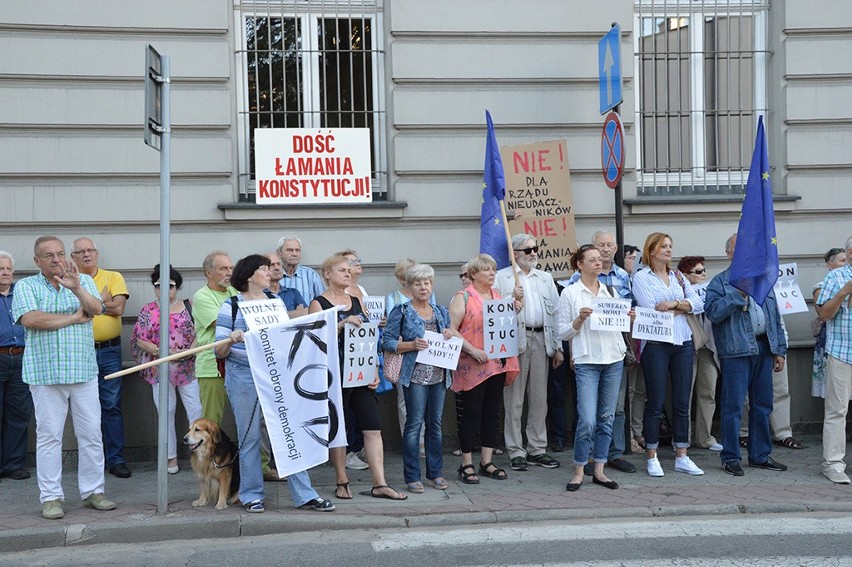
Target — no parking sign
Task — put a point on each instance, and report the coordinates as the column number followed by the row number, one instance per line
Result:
column 612, row 150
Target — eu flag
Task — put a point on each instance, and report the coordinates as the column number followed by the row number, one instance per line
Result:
column 754, row 267
column 492, row 236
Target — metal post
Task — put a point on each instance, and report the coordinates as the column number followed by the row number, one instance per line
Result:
column 165, row 276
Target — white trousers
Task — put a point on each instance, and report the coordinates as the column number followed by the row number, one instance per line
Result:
column 51, row 408
column 191, row 398
column 838, row 386
column 531, row 383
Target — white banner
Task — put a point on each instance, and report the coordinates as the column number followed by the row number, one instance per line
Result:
column 360, row 354
column 653, row 325
column 375, row 307
column 441, row 353
column 610, row 314
column 500, row 327
column 701, row 291
column 297, row 376
column 262, row 313
column 788, row 294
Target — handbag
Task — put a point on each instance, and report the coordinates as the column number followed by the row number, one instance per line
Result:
column 699, row 335
column 393, row 359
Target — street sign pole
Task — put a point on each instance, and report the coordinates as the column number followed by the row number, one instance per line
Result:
column 158, row 129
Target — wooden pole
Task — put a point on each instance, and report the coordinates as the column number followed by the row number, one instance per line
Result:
column 509, row 243
column 170, row 358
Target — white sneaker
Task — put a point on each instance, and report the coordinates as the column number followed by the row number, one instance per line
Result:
column 685, row 465
column 654, row 468
column 715, row 447
column 837, row 477
column 354, row 463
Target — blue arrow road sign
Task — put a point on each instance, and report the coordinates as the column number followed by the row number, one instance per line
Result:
column 609, row 69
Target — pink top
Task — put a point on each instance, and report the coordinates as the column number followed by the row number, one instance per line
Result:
column 469, row 372
column 181, row 335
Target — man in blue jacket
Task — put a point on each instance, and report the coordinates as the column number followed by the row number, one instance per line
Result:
column 751, row 345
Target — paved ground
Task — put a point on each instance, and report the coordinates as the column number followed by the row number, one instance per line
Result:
column 538, row 494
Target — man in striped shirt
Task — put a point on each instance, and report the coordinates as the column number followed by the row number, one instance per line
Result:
column 56, row 307
column 301, row 278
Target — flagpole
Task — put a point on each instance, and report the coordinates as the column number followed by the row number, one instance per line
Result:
column 509, row 243
column 170, row 358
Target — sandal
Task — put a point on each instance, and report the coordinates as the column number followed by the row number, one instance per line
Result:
column 790, row 443
column 347, row 494
column 641, row 442
column 496, row 474
column 395, row 496
column 416, row 487
column 440, row 483
column 468, row 477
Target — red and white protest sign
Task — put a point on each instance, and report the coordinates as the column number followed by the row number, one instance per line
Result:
column 300, row 165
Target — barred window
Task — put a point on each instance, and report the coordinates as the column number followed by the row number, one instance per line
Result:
column 310, row 65
column 701, row 74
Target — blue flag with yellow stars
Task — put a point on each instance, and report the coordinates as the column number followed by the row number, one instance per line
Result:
column 492, row 236
column 754, row 267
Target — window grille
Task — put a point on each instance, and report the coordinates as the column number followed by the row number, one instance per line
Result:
column 310, row 64
column 701, row 84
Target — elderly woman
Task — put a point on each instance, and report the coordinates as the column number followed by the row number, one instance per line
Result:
column 656, row 286
column 423, row 385
column 361, row 400
column 250, row 278
column 834, row 258
column 478, row 381
column 598, row 364
column 144, row 346
column 705, row 367
column 464, row 277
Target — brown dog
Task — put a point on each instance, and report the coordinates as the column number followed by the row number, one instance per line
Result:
column 215, row 460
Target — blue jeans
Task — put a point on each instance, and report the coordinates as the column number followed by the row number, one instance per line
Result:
column 597, row 393
column 659, row 362
column 424, row 404
column 112, row 422
column 244, row 402
column 616, row 448
column 752, row 375
column 16, row 408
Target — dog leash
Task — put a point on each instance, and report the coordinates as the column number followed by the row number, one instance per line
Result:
column 231, row 462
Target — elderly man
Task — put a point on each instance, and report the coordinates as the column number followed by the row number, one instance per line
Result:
column 206, row 302
column 291, row 297
column 537, row 344
column 56, row 307
column 618, row 280
column 107, row 331
column 16, row 403
column 301, row 278
column 834, row 303
column 751, row 345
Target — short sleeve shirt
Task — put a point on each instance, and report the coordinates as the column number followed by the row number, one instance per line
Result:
column 205, row 309
column 61, row 356
column 839, row 328
column 106, row 327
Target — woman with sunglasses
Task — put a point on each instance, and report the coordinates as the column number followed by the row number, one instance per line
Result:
column 705, row 367
column 834, row 258
column 145, row 346
column 656, row 286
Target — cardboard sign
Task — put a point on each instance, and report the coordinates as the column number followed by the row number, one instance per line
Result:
column 441, row 353
column 500, row 327
column 610, row 314
column 375, row 307
column 539, row 201
column 300, row 165
column 788, row 294
column 360, row 354
column 653, row 325
column 262, row 313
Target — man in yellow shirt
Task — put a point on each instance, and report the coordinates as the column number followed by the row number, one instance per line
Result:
column 107, row 333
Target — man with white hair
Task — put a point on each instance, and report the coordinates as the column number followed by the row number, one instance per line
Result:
column 16, row 403
column 538, row 345
column 301, row 278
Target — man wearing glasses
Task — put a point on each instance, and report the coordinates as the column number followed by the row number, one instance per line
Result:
column 107, row 332
column 537, row 343
column 56, row 307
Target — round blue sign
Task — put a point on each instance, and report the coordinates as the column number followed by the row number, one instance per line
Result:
column 612, row 150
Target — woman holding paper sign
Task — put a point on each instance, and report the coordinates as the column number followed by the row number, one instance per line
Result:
column 478, row 381
column 361, row 400
column 424, row 385
column 250, row 278
column 655, row 286
column 598, row 364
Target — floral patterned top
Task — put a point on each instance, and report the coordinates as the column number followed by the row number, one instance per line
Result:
column 181, row 336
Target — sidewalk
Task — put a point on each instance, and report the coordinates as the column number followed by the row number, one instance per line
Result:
column 538, row 494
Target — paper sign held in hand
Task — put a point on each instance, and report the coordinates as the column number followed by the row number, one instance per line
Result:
column 442, row 353
column 500, row 325
column 375, row 307
column 262, row 313
column 610, row 314
column 360, row 354
column 653, row 325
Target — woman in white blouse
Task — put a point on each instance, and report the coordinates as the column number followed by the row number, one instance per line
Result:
column 598, row 361
column 656, row 286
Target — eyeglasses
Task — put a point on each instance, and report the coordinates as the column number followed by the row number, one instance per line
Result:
column 51, row 255
column 698, row 272
column 84, row 251
column 354, row 261
column 529, row 250
column 172, row 285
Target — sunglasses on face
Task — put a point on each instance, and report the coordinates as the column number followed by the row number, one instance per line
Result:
column 698, row 272
column 529, row 250
column 463, row 276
